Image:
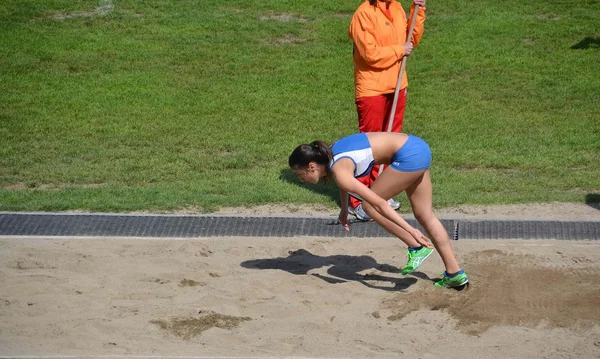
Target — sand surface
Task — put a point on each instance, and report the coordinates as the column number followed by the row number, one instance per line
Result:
column 294, row 297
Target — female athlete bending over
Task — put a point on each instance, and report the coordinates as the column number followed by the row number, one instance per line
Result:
column 409, row 158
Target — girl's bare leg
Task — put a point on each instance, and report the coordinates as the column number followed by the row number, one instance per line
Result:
column 420, row 194
column 389, row 184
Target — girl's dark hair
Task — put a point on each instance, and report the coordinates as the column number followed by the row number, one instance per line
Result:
column 316, row 151
column 372, row 2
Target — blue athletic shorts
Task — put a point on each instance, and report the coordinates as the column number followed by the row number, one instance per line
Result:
column 414, row 156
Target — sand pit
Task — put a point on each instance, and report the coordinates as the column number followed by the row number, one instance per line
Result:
column 302, row 297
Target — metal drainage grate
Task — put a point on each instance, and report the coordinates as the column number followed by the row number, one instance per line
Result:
column 189, row 226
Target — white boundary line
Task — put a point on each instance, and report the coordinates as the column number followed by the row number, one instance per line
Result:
column 98, row 214
column 149, row 357
column 220, row 238
column 199, row 239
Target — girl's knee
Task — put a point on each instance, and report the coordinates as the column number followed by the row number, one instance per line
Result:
column 425, row 218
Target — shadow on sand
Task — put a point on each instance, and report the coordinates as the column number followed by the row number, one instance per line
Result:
column 342, row 268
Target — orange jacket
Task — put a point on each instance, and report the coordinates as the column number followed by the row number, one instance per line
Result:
column 378, row 47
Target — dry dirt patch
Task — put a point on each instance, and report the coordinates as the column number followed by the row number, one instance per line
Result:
column 187, row 328
column 514, row 290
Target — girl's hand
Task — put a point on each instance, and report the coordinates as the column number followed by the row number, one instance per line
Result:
column 419, row 2
column 343, row 220
column 420, row 238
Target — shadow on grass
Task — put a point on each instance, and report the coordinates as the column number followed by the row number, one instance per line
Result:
column 593, row 200
column 588, row 42
column 343, row 268
column 329, row 188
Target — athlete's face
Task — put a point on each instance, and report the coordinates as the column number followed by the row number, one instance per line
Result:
column 311, row 174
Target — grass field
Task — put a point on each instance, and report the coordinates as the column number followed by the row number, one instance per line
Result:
column 110, row 105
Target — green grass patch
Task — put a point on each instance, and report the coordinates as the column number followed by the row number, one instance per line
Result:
column 110, row 105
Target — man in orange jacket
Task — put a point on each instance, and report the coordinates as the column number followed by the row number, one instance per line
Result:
column 379, row 30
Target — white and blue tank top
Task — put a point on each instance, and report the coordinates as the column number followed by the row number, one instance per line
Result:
column 357, row 148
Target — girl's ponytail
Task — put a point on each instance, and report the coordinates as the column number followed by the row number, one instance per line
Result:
column 324, row 155
column 316, row 151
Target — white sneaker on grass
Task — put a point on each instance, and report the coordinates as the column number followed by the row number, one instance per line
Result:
column 395, row 205
column 359, row 213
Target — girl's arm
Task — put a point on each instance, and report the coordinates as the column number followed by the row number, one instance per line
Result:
column 344, row 199
column 348, row 183
column 343, row 217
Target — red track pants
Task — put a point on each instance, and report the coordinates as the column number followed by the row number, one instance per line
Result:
column 373, row 116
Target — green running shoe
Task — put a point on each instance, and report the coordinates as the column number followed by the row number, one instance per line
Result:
column 457, row 280
column 415, row 259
